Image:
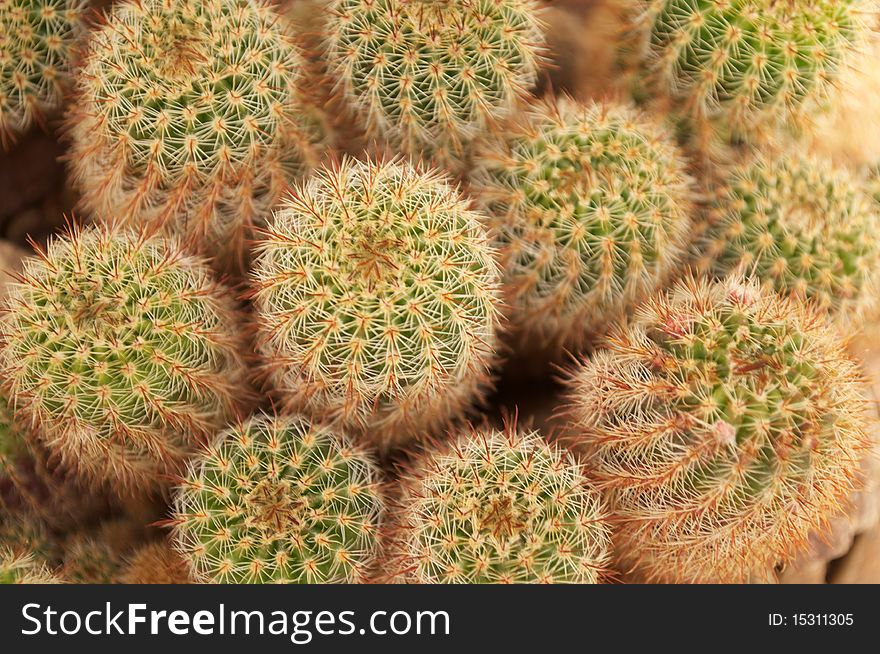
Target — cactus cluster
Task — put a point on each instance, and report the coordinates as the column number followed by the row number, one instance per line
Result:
column 590, row 209
column 279, row 500
column 427, row 76
column 121, row 351
column 376, row 295
column 726, row 424
column 320, row 237
column 37, row 39
column 187, row 118
column 748, row 66
column 799, row 226
column 500, row 507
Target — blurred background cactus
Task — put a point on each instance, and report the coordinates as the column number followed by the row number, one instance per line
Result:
column 590, row 208
column 37, row 41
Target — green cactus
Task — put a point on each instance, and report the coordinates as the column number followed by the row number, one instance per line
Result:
column 799, row 226
column 124, row 351
column 727, row 424
column 590, row 207
column 278, row 500
column 748, row 66
column 499, row 507
column 25, row 533
column 18, row 568
column 37, row 38
column 188, row 118
column 376, row 293
column 428, row 76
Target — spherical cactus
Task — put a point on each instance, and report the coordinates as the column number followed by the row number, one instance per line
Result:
column 748, row 66
column 429, row 75
column 89, row 560
column 155, row 563
column 798, row 226
column 726, row 425
column 279, row 500
column 122, row 352
column 590, row 209
column 500, row 507
column 18, row 568
column 37, row 38
column 187, row 118
column 376, row 292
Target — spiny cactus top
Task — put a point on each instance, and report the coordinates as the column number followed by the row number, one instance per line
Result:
column 427, row 75
column 590, row 205
column 749, row 63
column 500, row 507
column 123, row 351
column 376, row 294
column 799, row 226
column 18, row 568
column 187, row 118
column 36, row 42
column 727, row 424
column 279, row 500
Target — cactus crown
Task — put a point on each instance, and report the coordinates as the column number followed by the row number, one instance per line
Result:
column 376, row 290
column 187, row 116
column 278, row 500
column 427, row 75
column 726, row 424
column 36, row 43
column 799, row 226
column 590, row 206
column 18, row 568
column 122, row 347
column 501, row 507
column 749, row 63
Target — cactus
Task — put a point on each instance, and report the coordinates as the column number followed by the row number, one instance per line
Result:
column 278, row 500
column 590, row 209
column 749, row 66
column 187, row 118
column 37, row 38
column 799, row 226
column 428, row 76
column 123, row 352
column 499, row 507
column 90, row 560
column 155, row 563
column 18, row 568
column 24, row 533
column 32, row 483
column 376, row 296
column 726, row 425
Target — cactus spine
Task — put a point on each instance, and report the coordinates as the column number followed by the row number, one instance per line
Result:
column 428, row 76
column 798, row 226
column 19, row 568
column 187, row 118
column 278, row 500
column 37, row 38
column 748, row 66
column 726, row 425
column 155, row 563
column 500, row 507
column 122, row 352
column 590, row 206
column 376, row 294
